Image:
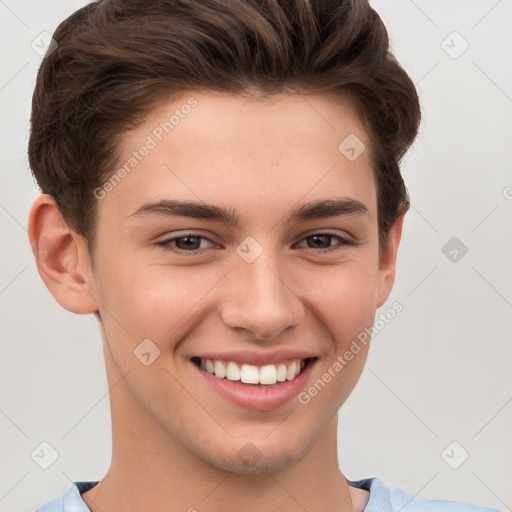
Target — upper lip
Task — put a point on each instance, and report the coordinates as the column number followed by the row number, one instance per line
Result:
column 257, row 358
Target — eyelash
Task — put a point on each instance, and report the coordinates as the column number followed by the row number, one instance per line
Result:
column 166, row 244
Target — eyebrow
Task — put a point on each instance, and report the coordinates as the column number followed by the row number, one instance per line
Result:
column 308, row 211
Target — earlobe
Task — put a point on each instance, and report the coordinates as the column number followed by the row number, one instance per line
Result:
column 61, row 257
column 387, row 261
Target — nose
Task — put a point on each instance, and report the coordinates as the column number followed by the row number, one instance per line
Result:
column 259, row 299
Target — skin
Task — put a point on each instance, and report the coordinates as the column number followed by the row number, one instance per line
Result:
column 175, row 441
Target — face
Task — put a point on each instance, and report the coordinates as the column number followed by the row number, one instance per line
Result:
column 242, row 240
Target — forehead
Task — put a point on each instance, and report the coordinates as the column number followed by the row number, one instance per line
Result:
column 213, row 119
column 215, row 147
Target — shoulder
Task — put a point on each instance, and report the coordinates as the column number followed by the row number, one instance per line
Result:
column 384, row 499
column 56, row 505
column 71, row 501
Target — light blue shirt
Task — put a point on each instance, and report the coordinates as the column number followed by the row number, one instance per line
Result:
column 381, row 499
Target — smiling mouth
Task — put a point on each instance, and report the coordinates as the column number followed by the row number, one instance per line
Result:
column 268, row 375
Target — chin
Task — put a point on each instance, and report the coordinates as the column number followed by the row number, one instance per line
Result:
column 252, row 460
column 262, row 466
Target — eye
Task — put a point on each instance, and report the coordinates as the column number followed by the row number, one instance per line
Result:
column 188, row 243
column 322, row 241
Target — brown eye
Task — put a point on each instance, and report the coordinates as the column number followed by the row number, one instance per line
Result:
column 188, row 243
column 322, row 242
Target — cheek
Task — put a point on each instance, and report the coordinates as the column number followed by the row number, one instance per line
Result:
column 345, row 306
column 343, row 297
column 158, row 302
column 356, row 302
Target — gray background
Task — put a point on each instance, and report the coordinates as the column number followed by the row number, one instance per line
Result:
column 439, row 372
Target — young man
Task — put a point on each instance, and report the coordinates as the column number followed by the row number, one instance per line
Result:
column 221, row 189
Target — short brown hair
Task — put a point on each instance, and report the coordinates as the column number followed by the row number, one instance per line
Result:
column 116, row 59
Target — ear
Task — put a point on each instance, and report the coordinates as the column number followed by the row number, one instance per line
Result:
column 61, row 257
column 387, row 261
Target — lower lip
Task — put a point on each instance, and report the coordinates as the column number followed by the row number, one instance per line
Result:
column 255, row 397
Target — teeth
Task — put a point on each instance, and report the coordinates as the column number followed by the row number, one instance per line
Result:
column 220, row 369
column 232, row 371
column 250, row 374
column 281, row 373
column 268, row 374
column 290, row 374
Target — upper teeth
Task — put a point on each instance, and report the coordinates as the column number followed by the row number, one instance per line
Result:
column 250, row 374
